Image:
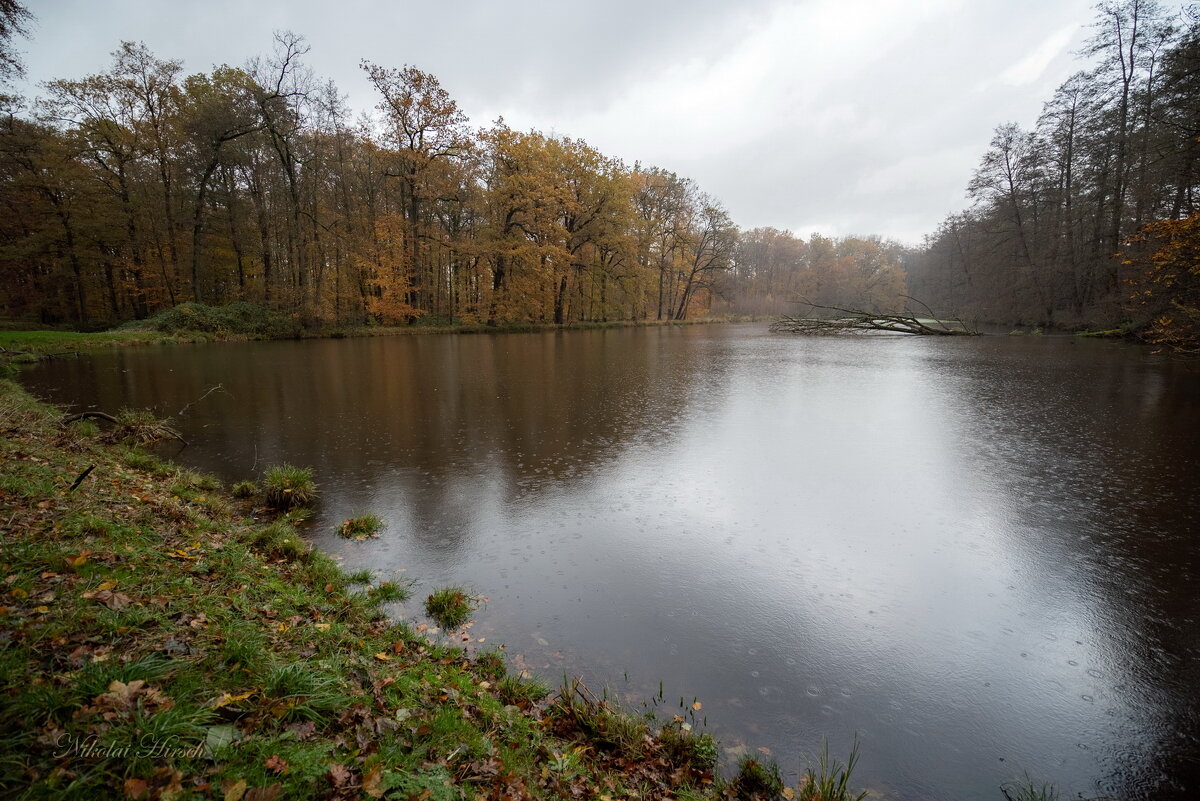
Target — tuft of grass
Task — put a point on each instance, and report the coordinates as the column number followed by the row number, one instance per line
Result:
column 521, row 692
column 140, row 427
column 288, row 486
column 491, row 665
column 360, row 528
column 449, row 606
column 304, row 692
column 829, row 780
column 388, row 592
column 244, row 489
column 756, row 779
column 279, row 541
column 243, row 646
column 1027, row 790
column 684, row 748
column 576, row 711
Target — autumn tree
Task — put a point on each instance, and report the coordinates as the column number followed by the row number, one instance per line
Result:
column 423, row 126
column 1165, row 259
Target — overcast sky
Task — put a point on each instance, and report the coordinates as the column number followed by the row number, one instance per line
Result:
column 844, row 117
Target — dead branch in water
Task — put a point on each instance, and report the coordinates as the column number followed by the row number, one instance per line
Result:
column 858, row 320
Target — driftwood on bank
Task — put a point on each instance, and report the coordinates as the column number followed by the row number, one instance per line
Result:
column 858, row 321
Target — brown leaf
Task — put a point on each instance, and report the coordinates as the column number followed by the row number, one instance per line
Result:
column 115, row 601
column 135, row 788
column 276, row 764
column 170, row 782
column 373, row 782
column 264, row 793
column 338, row 775
column 123, row 698
column 302, row 730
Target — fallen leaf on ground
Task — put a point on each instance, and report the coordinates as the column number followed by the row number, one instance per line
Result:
column 234, row 790
column 338, row 775
column 373, row 782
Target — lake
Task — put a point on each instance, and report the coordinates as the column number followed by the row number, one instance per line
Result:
column 979, row 555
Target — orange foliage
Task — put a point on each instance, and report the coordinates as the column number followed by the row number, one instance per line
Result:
column 1166, row 258
column 391, row 296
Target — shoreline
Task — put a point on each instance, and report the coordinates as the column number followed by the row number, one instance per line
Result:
column 165, row 639
column 30, row 345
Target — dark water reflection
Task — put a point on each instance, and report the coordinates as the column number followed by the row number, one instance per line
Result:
column 979, row 555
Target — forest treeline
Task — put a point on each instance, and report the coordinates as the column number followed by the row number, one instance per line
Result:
column 1056, row 235
column 140, row 188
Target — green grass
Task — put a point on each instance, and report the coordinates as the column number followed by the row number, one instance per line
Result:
column 41, row 343
column 756, row 779
column 286, row 486
column 829, row 779
column 360, row 528
column 244, row 489
column 388, row 592
column 450, row 607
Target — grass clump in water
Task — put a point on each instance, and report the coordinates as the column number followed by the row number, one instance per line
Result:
column 359, row 528
column 1026, row 790
column 756, row 779
column 830, row 779
column 388, row 592
column 244, row 489
column 449, row 606
column 288, row 486
column 685, row 748
column 520, row 692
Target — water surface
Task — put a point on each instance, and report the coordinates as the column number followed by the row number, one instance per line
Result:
column 978, row 554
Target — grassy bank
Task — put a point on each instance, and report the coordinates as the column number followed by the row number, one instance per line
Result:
column 158, row 642
column 239, row 322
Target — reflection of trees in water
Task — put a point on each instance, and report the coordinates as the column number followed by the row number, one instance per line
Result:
column 442, row 422
column 1098, row 452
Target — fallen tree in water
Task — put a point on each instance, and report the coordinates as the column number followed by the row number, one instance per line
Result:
column 858, row 320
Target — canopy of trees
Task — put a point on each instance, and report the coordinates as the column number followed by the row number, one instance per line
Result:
column 1116, row 148
column 142, row 187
